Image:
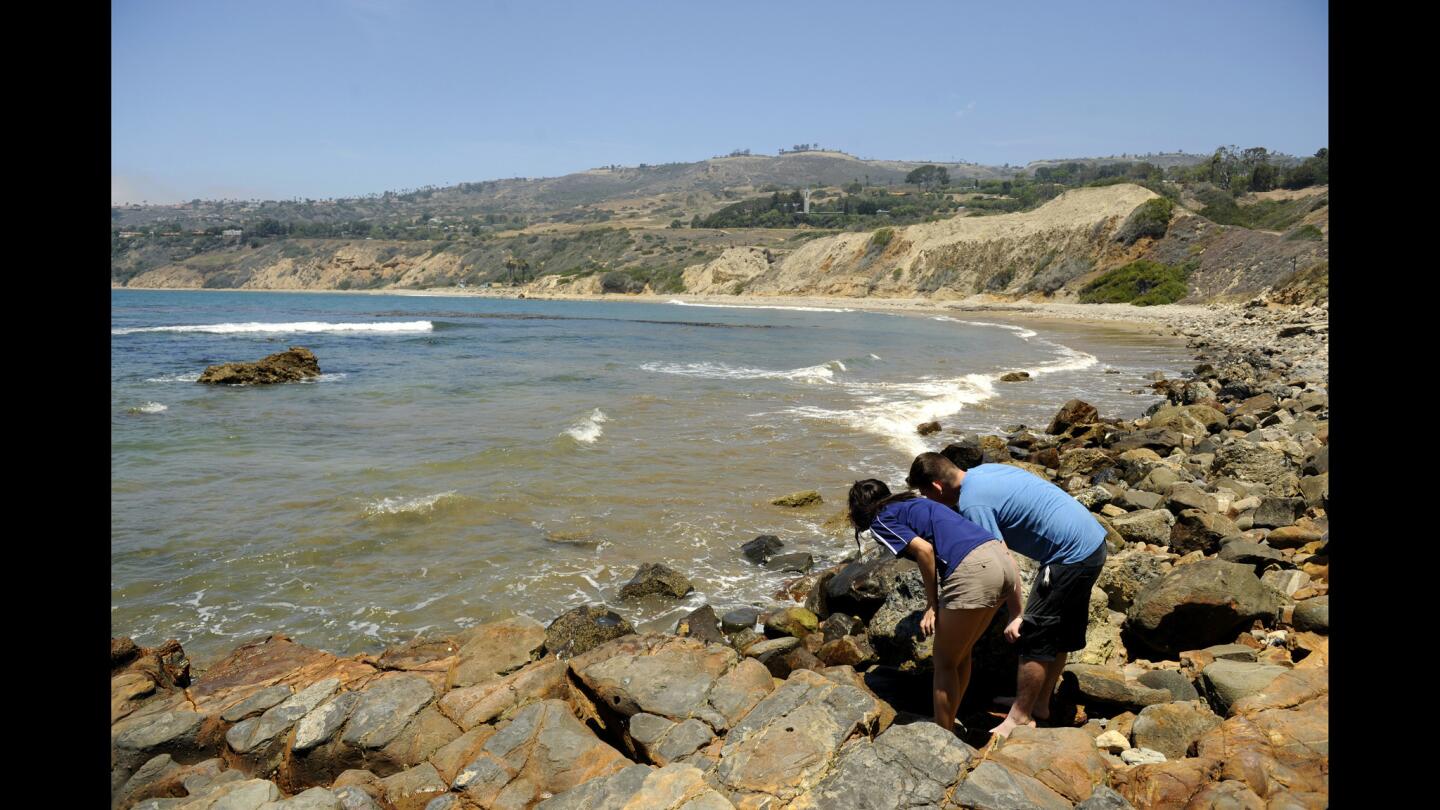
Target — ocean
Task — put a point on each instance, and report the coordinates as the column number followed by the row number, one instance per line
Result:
column 464, row 459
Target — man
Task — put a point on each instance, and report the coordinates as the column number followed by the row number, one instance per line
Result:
column 1037, row 519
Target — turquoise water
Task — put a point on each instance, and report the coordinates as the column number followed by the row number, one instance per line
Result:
column 465, row 459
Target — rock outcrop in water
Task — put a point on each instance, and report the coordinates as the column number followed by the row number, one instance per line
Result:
column 293, row 364
column 1218, row 577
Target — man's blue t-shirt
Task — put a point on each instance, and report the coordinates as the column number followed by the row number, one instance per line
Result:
column 896, row 524
column 1032, row 515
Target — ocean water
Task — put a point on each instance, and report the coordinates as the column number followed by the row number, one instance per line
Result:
column 466, row 459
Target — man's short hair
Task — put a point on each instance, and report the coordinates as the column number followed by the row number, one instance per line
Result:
column 928, row 468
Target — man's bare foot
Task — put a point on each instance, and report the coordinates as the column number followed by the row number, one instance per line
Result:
column 1038, row 713
column 1008, row 725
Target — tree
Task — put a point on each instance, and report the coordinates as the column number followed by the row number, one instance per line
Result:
column 929, row 176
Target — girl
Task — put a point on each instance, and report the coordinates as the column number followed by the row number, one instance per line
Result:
column 967, row 573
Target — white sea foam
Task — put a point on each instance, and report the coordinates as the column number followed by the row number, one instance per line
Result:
column 391, row 327
column 588, row 429
column 1069, row 360
column 1018, row 330
column 397, row 506
column 823, row 373
column 150, row 407
column 892, row 410
column 677, row 302
column 188, row 377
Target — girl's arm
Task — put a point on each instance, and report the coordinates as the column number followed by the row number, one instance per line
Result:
column 923, row 554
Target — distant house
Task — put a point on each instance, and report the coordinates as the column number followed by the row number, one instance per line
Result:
column 235, row 232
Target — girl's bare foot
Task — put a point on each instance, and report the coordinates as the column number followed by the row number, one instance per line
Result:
column 1038, row 713
column 1009, row 725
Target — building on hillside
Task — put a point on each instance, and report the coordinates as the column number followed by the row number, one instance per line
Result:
column 235, row 232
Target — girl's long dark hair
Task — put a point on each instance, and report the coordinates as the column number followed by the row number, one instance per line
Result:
column 867, row 498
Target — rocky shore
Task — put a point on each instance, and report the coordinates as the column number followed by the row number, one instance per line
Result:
column 1204, row 681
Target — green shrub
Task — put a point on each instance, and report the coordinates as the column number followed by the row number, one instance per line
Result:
column 882, row 237
column 1141, row 282
column 1305, row 232
column 1151, row 218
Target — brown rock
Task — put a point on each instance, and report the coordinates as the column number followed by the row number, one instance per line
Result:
column 412, row 789
column 454, row 755
column 273, row 660
column 472, row 706
column 1074, row 412
column 927, row 428
column 493, row 649
column 1063, row 759
column 852, row 651
column 1173, row 728
column 1167, row 784
column 1286, row 691
column 296, row 363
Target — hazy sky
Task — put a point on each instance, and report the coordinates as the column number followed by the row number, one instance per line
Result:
column 321, row 98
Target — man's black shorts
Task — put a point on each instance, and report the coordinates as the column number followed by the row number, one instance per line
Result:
column 1056, row 614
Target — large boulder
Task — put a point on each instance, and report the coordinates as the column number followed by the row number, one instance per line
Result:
column 291, row 365
column 1197, row 605
column 1173, row 728
column 907, row 766
column 1195, row 530
column 1226, row 682
column 993, row 785
column 1151, row 526
column 584, row 628
column 791, row 621
column 1063, row 759
column 1196, row 421
column 894, row 629
column 677, row 786
column 785, row 745
column 762, row 548
column 472, row 706
column 1282, row 755
column 861, row 587
column 497, row 648
column 1107, row 687
column 1257, row 463
column 1126, row 573
column 655, row 578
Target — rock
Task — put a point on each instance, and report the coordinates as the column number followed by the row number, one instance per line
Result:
column 1316, row 489
column 1154, row 439
column 1275, row 752
column 965, row 452
column 927, row 428
column 1106, row 686
column 1126, row 573
column 1313, row 614
column 1083, row 461
column 772, row 653
column 584, row 628
column 352, row 797
column 412, row 789
column 1293, row 536
column 838, row 625
column 316, row 798
column 1103, row 644
column 1197, row 605
column 1188, row 496
column 993, row 786
column 678, row 679
column 676, row 786
column 256, row 703
column 1112, row 511
column 1226, row 682
column 1318, row 463
column 1142, row 756
column 1103, row 798
column 1112, row 741
column 798, row 562
column 1165, row 784
column 384, row 709
column 1173, row 728
column 702, row 625
column 1145, row 526
column 1195, row 530
column 1286, row 582
column 861, row 587
column 762, row 548
column 854, row 651
column 1276, row 512
column 1171, row 680
column 1015, row 376
column 249, row 794
column 654, row 578
column 1256, row 555
column 321, row 723
column 1196, row 421
column 1290, row 689
column 1072, row 413
column 783, row 747
column 739, row 619
column 469, row 707
column 167, row 732
column 1063, row 759
column 542, row 750
column 1093, row 498
column 1159, row 479
column 907, row 766
column 296, row 363
column 894, row 629
column 796, row 500
column 1230, row 652
column 1255, row 463
column 792, row 621
column 493, row 649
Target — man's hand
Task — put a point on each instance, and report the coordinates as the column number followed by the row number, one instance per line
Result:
column 1012, row 630
column 927, row 622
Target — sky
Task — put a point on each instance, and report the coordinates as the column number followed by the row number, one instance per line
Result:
column 332, row 98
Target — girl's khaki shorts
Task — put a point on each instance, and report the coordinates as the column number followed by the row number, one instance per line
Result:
column 981, row 580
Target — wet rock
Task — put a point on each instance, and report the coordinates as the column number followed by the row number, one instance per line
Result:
column 584, row 628
column 1108, row 687
column 927, row 428
column 839, row 625
column 1063, row 759
column 1195, row 530
column 792, row 621
column 798, row 562
column 1072, row 413
column 701, row 624
column 1197, row 605
column 795, row 500
column 1145, row 526
column 295, row 363
column 762, row 548
column 907, row 766
column 784, row 746
column 861, row 587
column 654, row 578
column 493, row 649
column 1171, row 680
column 1173, row 728
column 1015, row 376
column 994, row 786
column 543, row 749
column 383, row 710
column 965, row 452
column 1313, row 614
column 1226, row 682
column 740, row 618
